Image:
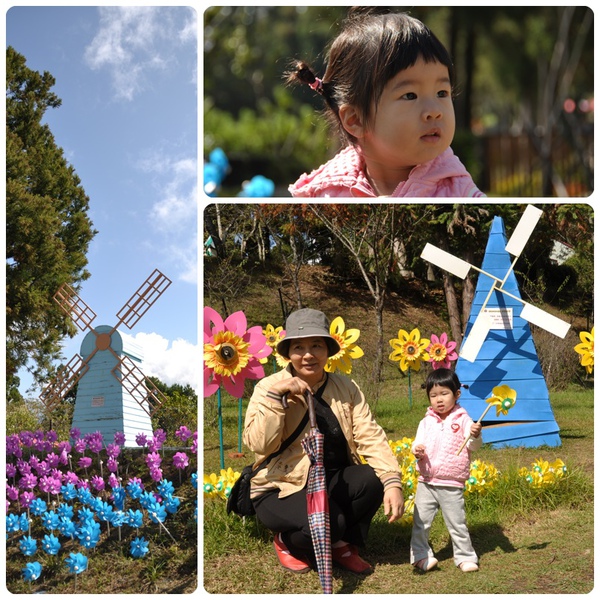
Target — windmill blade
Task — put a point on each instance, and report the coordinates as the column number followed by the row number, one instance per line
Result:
column 146, row 295
column 74, row 307
column 67, row 376
column 471, row 346
column 545, row 320
column 144, row 392
column 445, row 260
column 523, row 230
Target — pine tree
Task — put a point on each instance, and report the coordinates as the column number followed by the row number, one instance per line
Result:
column 47, row 228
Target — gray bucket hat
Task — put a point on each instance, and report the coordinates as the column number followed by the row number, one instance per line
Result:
column 304, row 323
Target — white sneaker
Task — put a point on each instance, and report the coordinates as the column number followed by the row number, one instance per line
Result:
column 426, row 564
column 468, row 566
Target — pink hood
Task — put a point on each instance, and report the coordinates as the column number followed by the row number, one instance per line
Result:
column 344, row 176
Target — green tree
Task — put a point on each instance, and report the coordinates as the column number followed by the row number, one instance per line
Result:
column 179, row 408
column 47, row 228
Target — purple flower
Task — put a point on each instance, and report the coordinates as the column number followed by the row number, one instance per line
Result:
column 95, row 441
column 50, row 485
column 156, row 473
column 183, row 433
column 119, row 438
column 180, row 460
column 26, row 438
column 75, row 433
column 153, row 459
column 113, row 450
column 84, row 462
column 28, row 481
column 71, row 477
column 12, row 492
column 97, row 483
column 113, row 481
column 26, row 499
column 13, row 446
column 52, row 460
column 11, row 470
column 24, row 467
column 141, row 439
column 80, row 446
column 112, row 465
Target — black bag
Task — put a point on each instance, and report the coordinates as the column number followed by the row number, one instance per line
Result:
column 239, row 498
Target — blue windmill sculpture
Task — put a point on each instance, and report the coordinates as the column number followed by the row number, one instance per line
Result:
column 498, row 347
column 113, row 394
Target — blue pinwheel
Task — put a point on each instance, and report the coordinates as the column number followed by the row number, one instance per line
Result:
column 27, row 545
column 50, row 520
column 89, row 534
column 32, row 571
column 135, row 518
column 156, row 512
column 12, row 523
column 38, row 506
column 76, row 562
column 66, row 527
column 138, row 547
column 50, row 544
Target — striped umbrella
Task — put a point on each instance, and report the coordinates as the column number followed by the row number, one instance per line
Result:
column 317, row 502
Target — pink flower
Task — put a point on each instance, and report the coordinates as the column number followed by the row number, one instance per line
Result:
column 441, row 351
column 84, row 462
column 231, row 352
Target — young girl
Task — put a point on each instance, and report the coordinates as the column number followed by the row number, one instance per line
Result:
column 388, row 87
column 442, row 473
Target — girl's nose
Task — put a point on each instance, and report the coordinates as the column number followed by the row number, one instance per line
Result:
column 432, row 112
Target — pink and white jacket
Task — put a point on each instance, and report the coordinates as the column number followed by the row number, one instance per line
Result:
column 344, row 176
column 442, row 439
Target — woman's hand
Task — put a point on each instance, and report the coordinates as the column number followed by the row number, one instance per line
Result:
column 393, row 504
column 294, row 386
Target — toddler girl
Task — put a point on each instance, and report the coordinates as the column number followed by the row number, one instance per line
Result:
column 442, row 473
column 388, row 87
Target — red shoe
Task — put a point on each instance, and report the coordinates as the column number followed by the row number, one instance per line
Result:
column 347, row 557
column 286, row 559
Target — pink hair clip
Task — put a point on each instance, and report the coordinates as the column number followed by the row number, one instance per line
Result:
column 317, row 85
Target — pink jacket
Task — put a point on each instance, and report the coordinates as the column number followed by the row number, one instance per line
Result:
column 442, row 439
column 344, row 176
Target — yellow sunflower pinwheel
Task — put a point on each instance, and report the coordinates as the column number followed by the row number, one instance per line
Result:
column 346, row 338
column 586, row 349
column 410, row 349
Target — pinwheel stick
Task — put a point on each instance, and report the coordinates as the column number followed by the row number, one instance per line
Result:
column 478, row 421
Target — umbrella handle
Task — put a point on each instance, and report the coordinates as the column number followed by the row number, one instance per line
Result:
column 310, row 401
column 284, row 401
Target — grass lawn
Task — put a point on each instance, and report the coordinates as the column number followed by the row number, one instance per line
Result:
column 529, row 541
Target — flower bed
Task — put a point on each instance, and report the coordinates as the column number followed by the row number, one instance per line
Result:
column 64, row 498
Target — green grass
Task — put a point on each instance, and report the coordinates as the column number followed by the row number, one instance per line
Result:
column 529, row 541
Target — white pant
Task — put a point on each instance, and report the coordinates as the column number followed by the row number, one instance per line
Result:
column 451, row 500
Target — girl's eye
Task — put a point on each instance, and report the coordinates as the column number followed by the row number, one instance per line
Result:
column 409, row 96
column 443, row 94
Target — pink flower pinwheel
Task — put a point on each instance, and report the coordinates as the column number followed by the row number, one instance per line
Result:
column 441, row 351
column 231, row 352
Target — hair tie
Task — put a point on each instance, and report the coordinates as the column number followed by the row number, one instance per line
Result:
column 317, row 85
column 464, row 385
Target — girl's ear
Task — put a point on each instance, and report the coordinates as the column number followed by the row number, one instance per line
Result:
column 351, row 120
column 457, row 395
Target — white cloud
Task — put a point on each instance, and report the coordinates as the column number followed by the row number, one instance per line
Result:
column 172, row 362
column 129, row 44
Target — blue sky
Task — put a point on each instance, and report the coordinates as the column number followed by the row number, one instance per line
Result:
column 127, row 77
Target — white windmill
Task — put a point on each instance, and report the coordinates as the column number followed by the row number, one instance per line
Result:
column 113, row 394
column 484, row 321
column 498, row 347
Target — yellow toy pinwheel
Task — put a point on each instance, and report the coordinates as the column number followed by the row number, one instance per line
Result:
column 503, row 398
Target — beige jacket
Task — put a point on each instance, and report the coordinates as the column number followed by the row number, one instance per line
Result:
column 268, row 424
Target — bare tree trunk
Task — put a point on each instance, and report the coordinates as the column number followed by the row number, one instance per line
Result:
column 453, row 312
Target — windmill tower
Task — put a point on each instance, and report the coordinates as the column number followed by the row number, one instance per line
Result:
column 113, row 394
column 498, row 347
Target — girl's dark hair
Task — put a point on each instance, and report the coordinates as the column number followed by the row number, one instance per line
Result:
column 373, row 46
column 444, row 378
